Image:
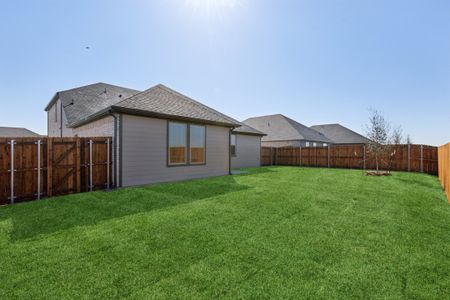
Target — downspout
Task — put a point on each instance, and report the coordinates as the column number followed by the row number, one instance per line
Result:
column 115, row 147
column 229, row 150
column 60, row 115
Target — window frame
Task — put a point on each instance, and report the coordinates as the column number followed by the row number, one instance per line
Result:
column 188, row 144
column 235, row 145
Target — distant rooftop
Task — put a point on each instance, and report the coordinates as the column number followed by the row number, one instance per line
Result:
column 340, row 134
column 281, row 128
column 17, row 132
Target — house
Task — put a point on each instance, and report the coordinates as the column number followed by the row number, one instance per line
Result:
column 245, row 147
column 17, row 132
column 340, row 134
column 282, row 131
column 159, row 134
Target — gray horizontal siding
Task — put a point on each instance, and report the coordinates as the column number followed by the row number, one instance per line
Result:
column 144, row 153
column 248, row 152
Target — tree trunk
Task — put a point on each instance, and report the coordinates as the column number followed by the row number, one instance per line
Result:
column 376, row 162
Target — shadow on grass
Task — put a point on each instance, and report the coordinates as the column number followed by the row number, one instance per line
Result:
column 62, row 213
column 254, row 171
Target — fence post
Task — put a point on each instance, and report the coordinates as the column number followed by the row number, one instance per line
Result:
column 38, row 169
column 271, row 156
column 364, row 157
column 12, row 143
column 90, row 165
column 300, row 155
column 49, row 167
column 107, row 164
column 409, row 157
column 421, row 158
column 328, row 152
column 276, row 156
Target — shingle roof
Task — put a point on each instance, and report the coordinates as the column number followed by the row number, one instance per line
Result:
column 17, row 132
column 340, row 134
column 90, row 99
column 162, row 101
column 245, row 129
column 281, row 128
column 88, row 102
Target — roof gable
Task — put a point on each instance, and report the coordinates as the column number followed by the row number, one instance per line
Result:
column 340, row 134
column 82, row 102
column 164, row 102
column 281, row 128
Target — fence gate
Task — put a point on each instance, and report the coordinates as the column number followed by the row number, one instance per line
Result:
column 32, row 168
column 63, row 166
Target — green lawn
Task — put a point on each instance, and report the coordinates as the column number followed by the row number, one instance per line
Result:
column 277, row 232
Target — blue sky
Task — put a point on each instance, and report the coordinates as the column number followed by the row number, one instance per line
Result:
column 314, row 61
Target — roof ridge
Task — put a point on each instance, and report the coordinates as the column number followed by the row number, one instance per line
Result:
column 327, row 124
column 144, row 91
column 97, row 83
column 203, row 106
column 14, row 127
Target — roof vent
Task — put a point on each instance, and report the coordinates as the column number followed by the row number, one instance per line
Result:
column 268, row 124
column 120, row 95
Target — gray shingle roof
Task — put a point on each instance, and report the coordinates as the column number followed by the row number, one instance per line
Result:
column 90, row 99
column 245, row 129
column 164, row 102
column 17, row 132
column 281, row 128
column 88, row 102
column 340, row 134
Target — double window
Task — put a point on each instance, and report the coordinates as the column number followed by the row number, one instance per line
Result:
column 186, row 144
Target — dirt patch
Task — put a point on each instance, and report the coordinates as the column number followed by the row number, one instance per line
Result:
column 379, row 173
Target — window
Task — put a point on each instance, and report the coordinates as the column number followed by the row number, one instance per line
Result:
column 197, row 144
column 233, row 145
column 314, row 144
column 186, row 144
column 177, row 143
column 325, row 144
column 307, row 144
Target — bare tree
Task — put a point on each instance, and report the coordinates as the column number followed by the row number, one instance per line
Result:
column 408, row 139
column 397, row 136
column 378, row 131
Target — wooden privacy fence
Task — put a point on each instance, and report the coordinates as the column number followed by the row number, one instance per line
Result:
column 444, row 168
column 414, row 158
column 32, row 168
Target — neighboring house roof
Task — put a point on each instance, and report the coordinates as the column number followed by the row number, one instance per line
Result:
column 281, row 128
column 84, row 104
column 161, row 101
column 245, row 129
column 340, row 134
column 17, row 132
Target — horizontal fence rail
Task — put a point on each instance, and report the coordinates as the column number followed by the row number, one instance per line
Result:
column 413, row 158
column 444, row 168
column 32, row 168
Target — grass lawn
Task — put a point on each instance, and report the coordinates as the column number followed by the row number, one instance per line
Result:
column 277, row 232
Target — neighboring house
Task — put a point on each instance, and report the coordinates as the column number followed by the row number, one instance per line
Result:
column 159, row 134
column 282, row 131
column 340, row 134
column 245, row 147
column 17, row 132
